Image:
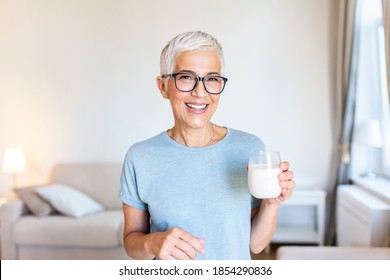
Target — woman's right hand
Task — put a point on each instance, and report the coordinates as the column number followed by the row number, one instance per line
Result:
column 175, row 244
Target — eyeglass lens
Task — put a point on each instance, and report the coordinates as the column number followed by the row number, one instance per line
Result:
column 187, row 82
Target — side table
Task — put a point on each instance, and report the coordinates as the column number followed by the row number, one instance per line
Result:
column 290, row 234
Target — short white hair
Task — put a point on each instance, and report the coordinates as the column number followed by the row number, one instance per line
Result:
column 187, row 42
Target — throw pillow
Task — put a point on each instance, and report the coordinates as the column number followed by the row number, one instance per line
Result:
column 69, row 201
column 34, row 202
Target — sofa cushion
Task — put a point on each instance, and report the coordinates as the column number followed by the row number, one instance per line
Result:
column 34, row 202
column 100, row 181
column 103, row 229
column 69, row 201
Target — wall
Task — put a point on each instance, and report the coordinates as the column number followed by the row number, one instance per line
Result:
column 77, row 77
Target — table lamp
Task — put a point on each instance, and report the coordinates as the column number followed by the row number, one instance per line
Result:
column 14, row 162
column 369, row 134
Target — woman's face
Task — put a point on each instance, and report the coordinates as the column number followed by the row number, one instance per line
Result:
column 193, row 109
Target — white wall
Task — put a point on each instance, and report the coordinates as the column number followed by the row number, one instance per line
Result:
column 77, row 77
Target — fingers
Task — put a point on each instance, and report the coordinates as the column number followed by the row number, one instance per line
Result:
column 286, row 180
column 286, row 177
column 178, row 244
column 184, row 251
column 195, row 242
column 284, row 166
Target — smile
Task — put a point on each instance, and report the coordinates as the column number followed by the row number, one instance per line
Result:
column 196, row 106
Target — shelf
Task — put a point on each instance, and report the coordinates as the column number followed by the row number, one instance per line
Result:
column 289, row 234
column 306, row 197
column 314, row 232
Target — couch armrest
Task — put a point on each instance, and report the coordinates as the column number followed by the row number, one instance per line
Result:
column 10, row 212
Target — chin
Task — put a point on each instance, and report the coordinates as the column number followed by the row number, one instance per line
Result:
column 198, row 123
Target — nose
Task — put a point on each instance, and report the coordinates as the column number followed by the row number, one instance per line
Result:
column 199, row 89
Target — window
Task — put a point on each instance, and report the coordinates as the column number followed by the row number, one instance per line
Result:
column 372, row 100
column 385, row 102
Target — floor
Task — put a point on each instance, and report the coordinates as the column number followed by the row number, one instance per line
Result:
column 268, row 253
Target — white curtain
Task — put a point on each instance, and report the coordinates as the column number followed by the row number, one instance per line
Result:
column 348, row 31
column 386, row 25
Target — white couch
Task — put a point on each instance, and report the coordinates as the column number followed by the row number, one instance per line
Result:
column 95, row 236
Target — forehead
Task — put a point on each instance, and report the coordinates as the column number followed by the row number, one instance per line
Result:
column 198, row 61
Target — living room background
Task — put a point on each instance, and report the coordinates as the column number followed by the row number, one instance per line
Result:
column 77, row 78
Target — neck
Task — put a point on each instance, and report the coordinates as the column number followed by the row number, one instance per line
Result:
column 194, row 138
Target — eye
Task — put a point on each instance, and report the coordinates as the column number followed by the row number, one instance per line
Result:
column 214, row 79
column 184, row 77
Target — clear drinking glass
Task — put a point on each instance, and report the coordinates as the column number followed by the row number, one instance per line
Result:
column 263, row 170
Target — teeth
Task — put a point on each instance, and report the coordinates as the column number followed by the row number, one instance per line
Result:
column 196, row 107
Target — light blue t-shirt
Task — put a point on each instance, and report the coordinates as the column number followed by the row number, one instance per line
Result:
column 202, row 190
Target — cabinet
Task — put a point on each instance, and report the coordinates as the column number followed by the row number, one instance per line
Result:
column 362, row 218
column 314, row 232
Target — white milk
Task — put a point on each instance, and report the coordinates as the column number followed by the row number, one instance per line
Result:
column 264, row 182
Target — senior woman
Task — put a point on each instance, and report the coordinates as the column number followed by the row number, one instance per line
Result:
column 184, row 192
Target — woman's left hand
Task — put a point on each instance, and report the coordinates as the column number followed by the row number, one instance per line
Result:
column 286, row 182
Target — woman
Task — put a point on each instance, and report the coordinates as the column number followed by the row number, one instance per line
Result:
column 184, row 191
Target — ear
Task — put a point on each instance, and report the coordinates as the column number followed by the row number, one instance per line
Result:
column 162, row 87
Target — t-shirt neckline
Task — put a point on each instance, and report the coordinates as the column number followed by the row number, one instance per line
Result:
column 213, row 146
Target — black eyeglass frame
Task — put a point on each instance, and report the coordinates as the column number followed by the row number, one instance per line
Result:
column 174, row 75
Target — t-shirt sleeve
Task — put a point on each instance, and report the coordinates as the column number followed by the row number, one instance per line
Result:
column 129, row 190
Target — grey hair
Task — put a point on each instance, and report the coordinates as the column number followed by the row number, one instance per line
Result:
column 187, row 42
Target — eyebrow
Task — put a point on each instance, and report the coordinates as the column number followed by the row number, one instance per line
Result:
column 192, row 72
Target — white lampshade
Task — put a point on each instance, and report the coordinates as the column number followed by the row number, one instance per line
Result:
column 14, row 161
column 369, row 134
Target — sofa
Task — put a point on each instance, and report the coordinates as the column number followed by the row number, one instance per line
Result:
column 53, row 235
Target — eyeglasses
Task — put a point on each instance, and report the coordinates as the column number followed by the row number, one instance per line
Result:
column 187, row 82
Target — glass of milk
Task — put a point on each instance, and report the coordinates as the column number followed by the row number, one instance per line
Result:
column 263, row 170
